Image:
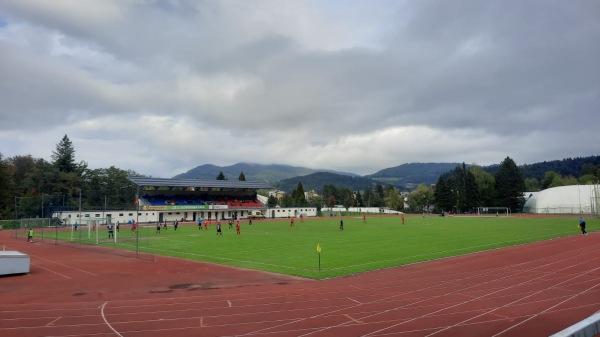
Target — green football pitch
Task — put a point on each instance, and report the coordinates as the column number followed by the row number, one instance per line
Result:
column 381, row 242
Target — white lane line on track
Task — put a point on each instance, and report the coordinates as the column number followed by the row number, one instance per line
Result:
column 491, row 311
column 229, row 302
column 54, row 321
column 50, row 270
column 353, row 300
column 105, row 321
column 548, row 309
column 353, row 320
column 429, row 314
column 64, row 265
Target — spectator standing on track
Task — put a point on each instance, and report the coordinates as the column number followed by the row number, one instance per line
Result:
column 30, row 235
column 582, row 226
column 109, row 228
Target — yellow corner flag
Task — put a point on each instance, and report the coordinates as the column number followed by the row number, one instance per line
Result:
column 318, row 247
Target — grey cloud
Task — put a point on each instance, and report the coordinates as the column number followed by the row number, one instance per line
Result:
column 479, row 78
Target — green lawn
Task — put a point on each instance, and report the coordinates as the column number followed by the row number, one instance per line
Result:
column 381, row 242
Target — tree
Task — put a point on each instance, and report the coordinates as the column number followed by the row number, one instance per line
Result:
column 331, row 201
column 348, row 201
column 298, row 195
column 221, row 176
column 509, row 185
column 379, row 191
column 420, row 198
column 64, row 156
column 359, row 200
column 532, row 185
column 6, row 188
column 272, row 201
column 393, row 199
column 443, row 195
column 486, row 185
column 588, row 179
column 472, row 199
column 242, row 177
column 552, row 179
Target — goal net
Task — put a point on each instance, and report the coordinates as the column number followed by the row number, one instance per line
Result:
column 96, row 229
column 493, row 211
column 38, row 225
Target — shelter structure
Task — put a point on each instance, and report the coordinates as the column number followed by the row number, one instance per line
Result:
column 190, row 199
column 572, row 199
column 162, row 199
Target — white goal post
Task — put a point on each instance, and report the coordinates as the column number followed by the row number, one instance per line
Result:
column 493, row 211
column 93, row 226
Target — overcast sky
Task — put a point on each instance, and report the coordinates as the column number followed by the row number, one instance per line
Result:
column 161, row 87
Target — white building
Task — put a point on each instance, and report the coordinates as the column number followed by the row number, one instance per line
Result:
column 573, row 199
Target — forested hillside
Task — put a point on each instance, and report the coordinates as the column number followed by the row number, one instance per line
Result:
column 409, row 176
column 270, row 174
column 316, row 181
column 573, row 167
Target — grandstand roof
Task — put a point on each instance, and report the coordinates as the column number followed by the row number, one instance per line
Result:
column 198, row 183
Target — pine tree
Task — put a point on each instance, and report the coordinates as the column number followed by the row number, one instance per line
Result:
column 298, row 195
column 242, row 176
column 221, row 176
column 359, row 200
column 509, row 185
column 64, row 156
column 443, row 195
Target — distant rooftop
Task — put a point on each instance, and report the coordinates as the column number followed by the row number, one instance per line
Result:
column 197, row 183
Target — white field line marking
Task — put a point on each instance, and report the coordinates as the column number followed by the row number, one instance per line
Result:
column 64, row 265
column 54, row 321
column 50, row 270
column 105, row 321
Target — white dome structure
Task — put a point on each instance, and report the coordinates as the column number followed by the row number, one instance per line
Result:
column 573, row 199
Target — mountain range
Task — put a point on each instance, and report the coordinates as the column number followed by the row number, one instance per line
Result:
column 286, row 177
column 404, row 176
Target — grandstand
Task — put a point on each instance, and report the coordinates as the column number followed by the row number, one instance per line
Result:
column 161, row 199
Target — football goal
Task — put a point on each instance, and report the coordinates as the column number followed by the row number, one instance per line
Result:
column 493, row 211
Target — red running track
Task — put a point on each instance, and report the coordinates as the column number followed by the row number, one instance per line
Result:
column 529, row 290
